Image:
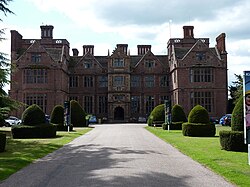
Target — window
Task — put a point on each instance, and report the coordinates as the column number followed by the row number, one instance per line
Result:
column 35, row 76
column 103, row 81
column 118, row 62
column 204, row 99
column 119, row 97
column 88, row 104
column 164, row 81
column 149, row 104
column 135, row 104
column 35, row 58
column 39, row 99
column 201, row 75
column 73, row 81
column 88, row 81
column 135, row 81
column 75, row 98
column 118, row 81
column 149, row 81
column 149, row 63
column 163, row 98
column 88, row 65
column 200, row 56
column 103, row 104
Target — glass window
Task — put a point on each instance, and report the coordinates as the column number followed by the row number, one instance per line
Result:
column 201, row 75
column 118, row 62
column 73, row 81
column 200, row 56
column 88, row 81
column 204, row 99
column 118, row 81
column 103, row 104
column 149, row 63
column 88, row 104
column 103, row 81
column 35, row 57
column 33, row 76
column 135, row 81
column 164, row 81
column 150, row 103
column 135, row 104
column 38, row 99
column 149, row 81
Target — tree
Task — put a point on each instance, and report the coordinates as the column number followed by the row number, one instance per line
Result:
column 235, row 91
column 6, row 104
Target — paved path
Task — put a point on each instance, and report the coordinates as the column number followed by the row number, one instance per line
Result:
column 115, row 155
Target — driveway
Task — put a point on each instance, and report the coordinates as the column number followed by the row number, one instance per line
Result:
column 115, row 155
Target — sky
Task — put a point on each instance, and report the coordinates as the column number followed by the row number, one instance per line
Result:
column 135, row 22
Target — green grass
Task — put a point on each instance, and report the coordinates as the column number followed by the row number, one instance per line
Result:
column 233, row 166
column 21, row 152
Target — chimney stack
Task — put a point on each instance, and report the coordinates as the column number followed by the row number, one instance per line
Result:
column 123, row 48
column 75, row 52
column 188, row 31
column 88, row 49
column 221, row 43
column 143, row 49
column 47, row 31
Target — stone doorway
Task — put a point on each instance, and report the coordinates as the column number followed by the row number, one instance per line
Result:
column 119, row 113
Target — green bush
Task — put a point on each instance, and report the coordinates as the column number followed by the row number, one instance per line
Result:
column 198, row 129
column 157, row 114
column 77, row 114
column 232, row 141
column 237, row 123
column 33, row 115
column 198, row 123
column 178, row 114
column 198, row 115
column 172, row 126
column 57, row 115
column 38, row 131
column 2, row 142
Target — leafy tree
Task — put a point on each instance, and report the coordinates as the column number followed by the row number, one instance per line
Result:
column 6, row 104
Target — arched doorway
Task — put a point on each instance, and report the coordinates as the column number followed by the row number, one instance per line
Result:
column 119, row 113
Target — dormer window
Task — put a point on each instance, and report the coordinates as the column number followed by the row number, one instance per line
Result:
column 200, row 56
column 149, row 63
column 35, row 57
column 118, row 62
column 88, row 65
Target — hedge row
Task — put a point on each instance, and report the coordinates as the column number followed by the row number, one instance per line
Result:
column 2, row 142
column 198, row 129
column 38, row 131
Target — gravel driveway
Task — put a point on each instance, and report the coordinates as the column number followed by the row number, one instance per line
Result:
column 115, row 155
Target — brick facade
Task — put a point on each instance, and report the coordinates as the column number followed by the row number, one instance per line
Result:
column 119, row 86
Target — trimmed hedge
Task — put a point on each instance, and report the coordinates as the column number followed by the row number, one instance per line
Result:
column 2, row 142
column 173, row 126
column 178, row 114
column 57, row 115
column 33, row 115
column 198, row 115
column 38, row 131
column 232, row 141
column 77, row 114
column 198, row 129
column 237, row 123
column 157, row 114
column 60, row 127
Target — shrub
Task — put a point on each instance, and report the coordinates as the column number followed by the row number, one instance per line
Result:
column 77, row 114
column 33, row 115
column 157, row 114
column 232, row 141
column 198, row 123
column 172, row 126
column 2, row 142
column 57, row 115
column 198, row 129
column 237, row 123
column 38, row 131
column 198, row 115
column 178, row 114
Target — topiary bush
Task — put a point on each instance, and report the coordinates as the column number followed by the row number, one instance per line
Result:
column 234, row 140
column 198, row 123
column 157, row 114
column 178, row 114
column 2, row 142
column 57, row 118
column 33, row 115
column 77, row 114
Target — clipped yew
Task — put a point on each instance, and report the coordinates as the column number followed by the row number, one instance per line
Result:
column 234, row 140
column 178, row 117
column 198, row 123
column 157, row 115
column 77, row 114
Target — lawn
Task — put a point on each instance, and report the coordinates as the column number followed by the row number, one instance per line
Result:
column 21, row 152
column 233, row 166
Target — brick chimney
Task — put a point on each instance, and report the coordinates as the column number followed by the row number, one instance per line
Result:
column 123, row 48
column 143, row 49
column 188, row 31
column 16, row 40
column 221, row 43
column 47, row 31
column 88, row 49
column 75, row 52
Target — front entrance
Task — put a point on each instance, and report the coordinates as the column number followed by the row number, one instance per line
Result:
column 119, row 113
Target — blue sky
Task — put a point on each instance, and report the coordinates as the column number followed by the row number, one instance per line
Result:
column 107, row 23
